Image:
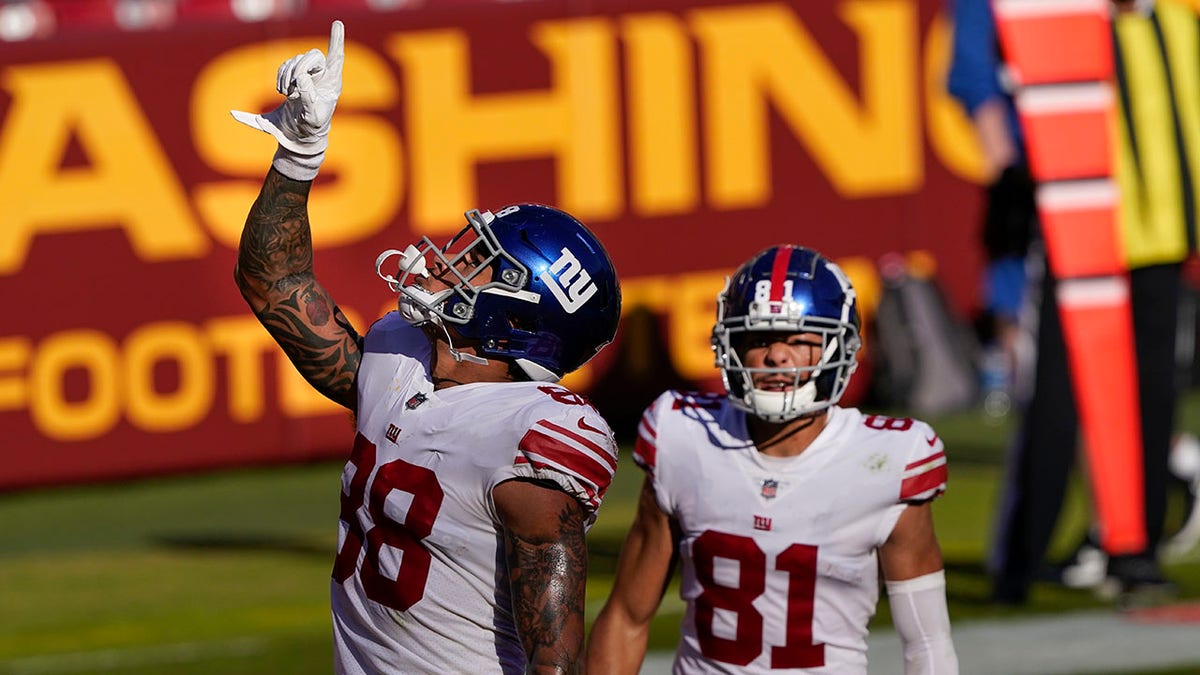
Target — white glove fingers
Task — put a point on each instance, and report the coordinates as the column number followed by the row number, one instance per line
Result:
column 283, row 78
column 336, row 54
column 312, row 61
column 309, row 69
column 306, row 91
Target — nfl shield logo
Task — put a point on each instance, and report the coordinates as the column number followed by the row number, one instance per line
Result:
column 415, row 401
column 770, row 487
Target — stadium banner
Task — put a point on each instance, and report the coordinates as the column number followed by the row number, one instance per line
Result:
column 688, row 135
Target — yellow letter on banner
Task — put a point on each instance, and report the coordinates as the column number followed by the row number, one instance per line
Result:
column 242, row 341
column 56, row 415
column 664, row 174
column 127, row 180
column 576, row 121
column 168, row 342
column 14, row 356
column 753, row 53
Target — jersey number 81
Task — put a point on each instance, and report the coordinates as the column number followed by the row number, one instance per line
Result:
column 798, row 561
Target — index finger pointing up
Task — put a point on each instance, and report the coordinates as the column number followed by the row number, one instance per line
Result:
column 336, row 53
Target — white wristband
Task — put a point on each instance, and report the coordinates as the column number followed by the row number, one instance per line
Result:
column 295, row 165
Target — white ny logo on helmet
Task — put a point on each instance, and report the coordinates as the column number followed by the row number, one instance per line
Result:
column 571, row 284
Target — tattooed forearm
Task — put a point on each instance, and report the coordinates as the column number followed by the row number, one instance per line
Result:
column 548, row 579
column 274, row 273
column 328, row 363
column 276, row 242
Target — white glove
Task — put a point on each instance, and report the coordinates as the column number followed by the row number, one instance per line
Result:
column 312, row 83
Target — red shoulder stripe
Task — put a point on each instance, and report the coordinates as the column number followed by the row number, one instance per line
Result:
column 645, row 453
column 934, row 479
column 584, row 441
column 591, row 493
column 927, row 460
column 546, row 448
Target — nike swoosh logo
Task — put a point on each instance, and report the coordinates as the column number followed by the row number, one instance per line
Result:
column 931, row 441
column 587, row 427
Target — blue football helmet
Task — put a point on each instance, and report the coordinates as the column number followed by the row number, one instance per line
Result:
column 553, row 300
column 788, row 289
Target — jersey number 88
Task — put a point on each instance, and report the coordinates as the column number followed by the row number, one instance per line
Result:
column 421, row 483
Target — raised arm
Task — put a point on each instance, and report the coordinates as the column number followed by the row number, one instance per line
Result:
column 546, row 552
column 621, row 631
column 275, row 259
column 275, row 275
column 916, row 583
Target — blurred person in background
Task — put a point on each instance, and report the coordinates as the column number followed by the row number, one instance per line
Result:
column 473, row 477
column 1043, row 451
column 1009, row 219
column 782, row 505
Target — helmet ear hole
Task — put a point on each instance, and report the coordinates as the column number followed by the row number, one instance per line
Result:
column 520, row 323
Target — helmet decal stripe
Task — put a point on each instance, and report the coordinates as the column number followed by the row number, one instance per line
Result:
column 779, row 272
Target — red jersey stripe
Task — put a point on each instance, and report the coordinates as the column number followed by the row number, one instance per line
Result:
column 645, row 453
column 927, row 460
column 591, row 494
column 647, row 431
column 549, row 449
column 930, row 480
column 583, row 441
column 779, row 272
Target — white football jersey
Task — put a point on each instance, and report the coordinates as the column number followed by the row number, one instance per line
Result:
column 779, row 565
column 420, row 584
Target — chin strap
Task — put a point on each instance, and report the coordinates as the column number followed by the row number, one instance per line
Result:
column 469, row 358
column 460, row 356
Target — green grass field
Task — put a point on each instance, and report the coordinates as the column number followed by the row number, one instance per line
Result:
column 228, row 572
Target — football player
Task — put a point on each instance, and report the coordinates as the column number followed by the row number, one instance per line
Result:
column 474, row 476
column 782, row 506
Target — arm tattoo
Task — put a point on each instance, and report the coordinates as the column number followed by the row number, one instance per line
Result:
column 276, row 241
column 275, row 274
column 548, row 576
column 329, row 365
